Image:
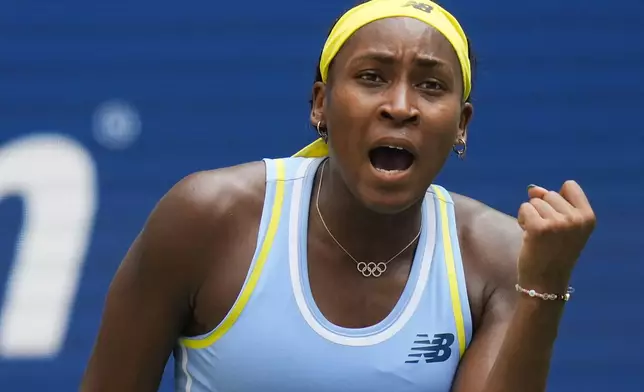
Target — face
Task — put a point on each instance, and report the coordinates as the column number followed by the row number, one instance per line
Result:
column 393, row 107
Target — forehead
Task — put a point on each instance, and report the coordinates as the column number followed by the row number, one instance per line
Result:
column 400, row 36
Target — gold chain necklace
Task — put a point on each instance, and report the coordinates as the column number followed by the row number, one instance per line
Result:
column 367, row 269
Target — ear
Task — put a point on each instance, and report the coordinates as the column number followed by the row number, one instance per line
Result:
column 317, row 103
column 466, row 116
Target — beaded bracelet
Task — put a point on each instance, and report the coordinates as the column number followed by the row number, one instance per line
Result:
column 546, row 296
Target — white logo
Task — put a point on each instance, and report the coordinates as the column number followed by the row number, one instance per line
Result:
column 56, row 178
column 117, row 125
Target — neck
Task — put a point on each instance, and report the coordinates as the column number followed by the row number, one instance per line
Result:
column 366, row 234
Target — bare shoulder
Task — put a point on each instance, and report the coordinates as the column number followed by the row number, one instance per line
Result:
column 213, row 193
column 152, row 297
column 216, row 215
column 216, row 194
column 195, row 220
column 205, row 206
column 490, row 242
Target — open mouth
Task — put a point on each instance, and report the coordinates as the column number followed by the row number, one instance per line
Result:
column 390, row 159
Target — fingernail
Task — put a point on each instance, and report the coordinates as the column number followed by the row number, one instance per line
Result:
column 531, row 186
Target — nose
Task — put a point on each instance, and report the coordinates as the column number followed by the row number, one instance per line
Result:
column 400, row 107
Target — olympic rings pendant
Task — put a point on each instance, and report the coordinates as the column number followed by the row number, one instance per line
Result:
column 371, row 269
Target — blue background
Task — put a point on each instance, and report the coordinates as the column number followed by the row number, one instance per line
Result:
column 557, row 96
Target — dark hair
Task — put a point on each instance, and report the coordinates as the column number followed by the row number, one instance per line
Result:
column 470, row 54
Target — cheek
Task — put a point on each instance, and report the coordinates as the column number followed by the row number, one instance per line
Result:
column 351, row 105
column 440, row 130
column 442, row 119
column 345, row 105
column 348, row 118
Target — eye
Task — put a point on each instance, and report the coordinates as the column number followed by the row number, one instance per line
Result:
column 370, row 77
column 431, row 85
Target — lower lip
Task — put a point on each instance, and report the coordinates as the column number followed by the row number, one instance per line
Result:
column 392, row 175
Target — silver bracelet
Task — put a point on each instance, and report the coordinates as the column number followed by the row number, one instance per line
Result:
column 546, row 296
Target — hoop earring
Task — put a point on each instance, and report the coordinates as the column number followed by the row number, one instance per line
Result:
column 322, row 132
column 460, row 152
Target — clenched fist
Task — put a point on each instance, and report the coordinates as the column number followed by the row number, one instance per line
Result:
column 556, row 227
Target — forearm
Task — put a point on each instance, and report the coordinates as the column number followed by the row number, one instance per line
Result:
column 523, row 362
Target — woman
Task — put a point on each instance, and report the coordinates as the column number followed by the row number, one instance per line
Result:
column 344, row 268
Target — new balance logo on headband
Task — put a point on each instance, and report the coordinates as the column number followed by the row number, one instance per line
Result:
column 431, row 351
column 419, row 6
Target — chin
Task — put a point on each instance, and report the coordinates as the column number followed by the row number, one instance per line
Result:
column 387, row 193
column 389, row 202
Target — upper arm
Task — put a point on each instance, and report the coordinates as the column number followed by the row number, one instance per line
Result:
column 492, row 245
column 149, row 299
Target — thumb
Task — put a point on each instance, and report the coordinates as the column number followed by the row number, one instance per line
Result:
column 536, row 192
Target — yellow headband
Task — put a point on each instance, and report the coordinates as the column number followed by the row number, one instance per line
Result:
column 363, row 14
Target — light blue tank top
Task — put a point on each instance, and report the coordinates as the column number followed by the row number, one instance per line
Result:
column 276, row 339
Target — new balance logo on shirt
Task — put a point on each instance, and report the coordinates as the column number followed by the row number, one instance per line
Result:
column 437, row 349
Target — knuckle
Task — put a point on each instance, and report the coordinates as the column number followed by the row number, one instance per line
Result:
column 575, row 220
column 570, row 184
column 552, row 195
column 560, row 225
column 524, row 208
column 590, row 220
column 540, row 228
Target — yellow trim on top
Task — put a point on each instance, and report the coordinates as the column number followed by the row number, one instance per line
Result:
column 249, row 287
column 451, row 270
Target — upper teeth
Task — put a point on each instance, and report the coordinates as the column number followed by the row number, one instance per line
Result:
column 396, row 147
